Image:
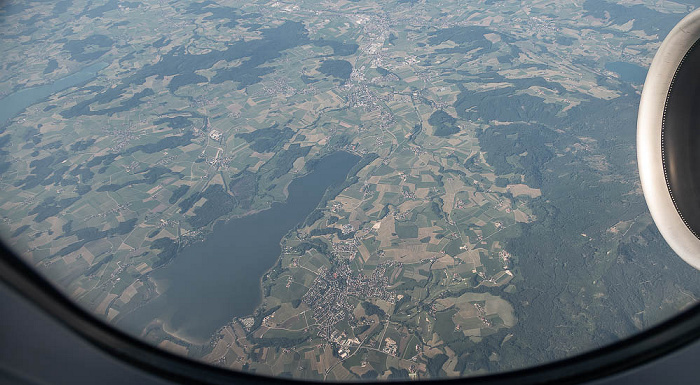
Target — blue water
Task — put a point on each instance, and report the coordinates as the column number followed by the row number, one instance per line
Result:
column 211, row 282
column 14, row 103
column 628, row 72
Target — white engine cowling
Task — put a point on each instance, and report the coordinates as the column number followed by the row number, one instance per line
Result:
column 668, row 139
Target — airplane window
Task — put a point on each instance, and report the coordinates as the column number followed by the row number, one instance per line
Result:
column 340, row 190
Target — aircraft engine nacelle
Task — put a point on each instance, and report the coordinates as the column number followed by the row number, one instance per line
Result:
column 668, row 139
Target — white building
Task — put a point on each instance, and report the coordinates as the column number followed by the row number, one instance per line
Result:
column 215, row 135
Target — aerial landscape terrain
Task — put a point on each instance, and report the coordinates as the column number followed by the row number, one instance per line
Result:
column 340, row 190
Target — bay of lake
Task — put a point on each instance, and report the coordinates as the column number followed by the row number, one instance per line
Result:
column 211, row 282
column 628, row 72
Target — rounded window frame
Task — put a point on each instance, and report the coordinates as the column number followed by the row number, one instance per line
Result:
column 603, row 362
column 634, row 351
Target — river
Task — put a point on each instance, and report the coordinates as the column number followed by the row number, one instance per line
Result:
column 211, row 282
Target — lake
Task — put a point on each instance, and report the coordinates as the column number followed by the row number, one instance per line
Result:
column 211, row 282
column 628, row 72
column 16, row 102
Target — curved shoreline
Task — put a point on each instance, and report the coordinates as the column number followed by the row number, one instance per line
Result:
column 212, row 282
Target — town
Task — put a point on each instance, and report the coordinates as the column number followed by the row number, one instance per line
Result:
column 328, row 297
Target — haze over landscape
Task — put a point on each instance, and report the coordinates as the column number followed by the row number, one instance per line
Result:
column 340, row 190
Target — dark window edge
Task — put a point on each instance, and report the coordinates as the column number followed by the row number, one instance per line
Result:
column 612, row 359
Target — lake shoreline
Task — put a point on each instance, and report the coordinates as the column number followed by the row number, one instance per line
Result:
column 14, row 104
column 211, row 282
